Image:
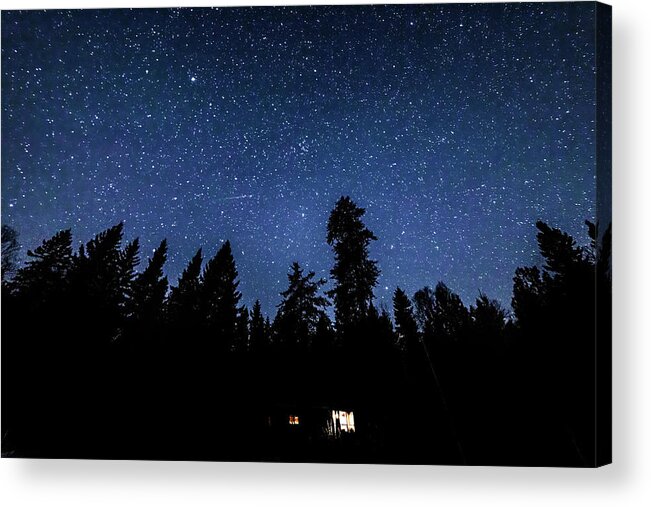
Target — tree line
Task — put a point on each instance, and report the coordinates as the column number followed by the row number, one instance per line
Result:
column 101, row 359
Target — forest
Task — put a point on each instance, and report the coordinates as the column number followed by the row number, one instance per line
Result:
column 103, row 357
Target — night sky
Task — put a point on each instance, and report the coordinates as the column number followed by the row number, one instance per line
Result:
column 455, row 126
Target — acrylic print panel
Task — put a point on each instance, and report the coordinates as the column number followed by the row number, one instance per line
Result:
column 368, row 234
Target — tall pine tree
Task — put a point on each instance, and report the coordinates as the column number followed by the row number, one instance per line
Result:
column 148, row 293
column 406, row 327
column 220, row 297
column 242, row 330
column 257, row 330
column 47, row 269
column 354, row 274
column 300, row 309
column 183, row 304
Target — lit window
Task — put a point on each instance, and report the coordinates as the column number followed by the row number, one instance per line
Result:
column 343, row 421
column 293, row 420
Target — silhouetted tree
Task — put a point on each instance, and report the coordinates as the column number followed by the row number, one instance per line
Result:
column 354, row 274
column 129, row 260
column 183, row 304
column 554, row 311
column 373, row 355
column 145, row 309
column 268, row 329
column 406, row 327
column 528, row 295
column 603, row 249
column 36, row 329
column 324, row 336
column 220, row 297
column 102, row 269
column 259, row 337
column 452, row 317
column 101, row 285
column 559, row 250
column 567, row 270
column 242, row 331
column 441, row 314
column 469, row 393
column 488, row 319
column 300, row 309
column 425, row 311
column 384, row 329
column 46, row 272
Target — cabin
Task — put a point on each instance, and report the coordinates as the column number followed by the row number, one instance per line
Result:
column 322, row 422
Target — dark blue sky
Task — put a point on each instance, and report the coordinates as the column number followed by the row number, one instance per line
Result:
column 455, row 126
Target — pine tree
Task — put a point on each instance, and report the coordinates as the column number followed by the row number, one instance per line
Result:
column 441, row 314
column 101, row 266
column 324, row 337
column 102, row 280
column 488, row 319
column 354, row 274
column 242, row 332
column 528, row 294
column 406, row 327
column 268, row 330
column 300, row 309
column 257, row 329
column 129, row 260
column 559, row 250
column 148, row 291
column 425, row 311
column 220, row 297
column 47, row 269
column 183, row 306
column 452, row 317
column 385, row 330
column 554, row 309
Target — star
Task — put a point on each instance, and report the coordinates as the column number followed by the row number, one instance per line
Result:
column 445, row 122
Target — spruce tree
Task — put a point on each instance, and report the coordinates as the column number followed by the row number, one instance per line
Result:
column 148, row 292
column 406, row 327
column 257, row 329
column 268, row 330
column 488, row 319
column 441, row 314
column 324, row 336
column 452, row 317
column 425, row 311
column 242, row 331
column 300, row 309
column 220, row 297
column 47, row 268
column 354, row 274
column 183, row 305
column 129, row 260
column 528, row 295
column 555, row 319
column 101, row 282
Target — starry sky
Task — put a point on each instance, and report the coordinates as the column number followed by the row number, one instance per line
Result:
column 455, row 126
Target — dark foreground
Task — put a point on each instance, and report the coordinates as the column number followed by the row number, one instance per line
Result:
column 464, row 408
column 102, row 361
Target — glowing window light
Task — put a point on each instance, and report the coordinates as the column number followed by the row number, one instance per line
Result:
column 344, row 421
column 293, row 420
